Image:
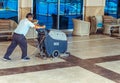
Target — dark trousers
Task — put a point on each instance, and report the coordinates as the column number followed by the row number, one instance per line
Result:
column 20, row 40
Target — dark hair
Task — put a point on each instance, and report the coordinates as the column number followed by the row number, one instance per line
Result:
column 29, row 14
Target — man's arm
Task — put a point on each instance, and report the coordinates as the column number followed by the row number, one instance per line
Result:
column 37, row 26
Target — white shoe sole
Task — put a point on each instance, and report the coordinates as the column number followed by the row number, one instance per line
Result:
column 25, row 60
column 5, row 59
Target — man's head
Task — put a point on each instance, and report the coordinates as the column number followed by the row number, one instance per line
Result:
column 29, row 16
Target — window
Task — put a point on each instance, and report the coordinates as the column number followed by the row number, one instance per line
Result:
column 9, row 9
column 46, row 12
column 111, row 8
column 71, row 9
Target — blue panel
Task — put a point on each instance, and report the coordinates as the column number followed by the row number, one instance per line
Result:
column 50, row 47
column 7, row 14
column 12, row 4
column 111, row 8
column 9, row 9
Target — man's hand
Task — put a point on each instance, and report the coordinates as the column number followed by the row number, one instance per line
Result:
column 35, row 21
column 37, row 26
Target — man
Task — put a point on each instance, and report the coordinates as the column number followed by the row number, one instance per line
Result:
column 19, row 37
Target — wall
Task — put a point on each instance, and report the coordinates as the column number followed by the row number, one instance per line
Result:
column 25, row 7
column 93, row 8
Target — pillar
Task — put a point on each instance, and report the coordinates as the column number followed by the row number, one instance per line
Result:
column 25, row 7
column 93, row 8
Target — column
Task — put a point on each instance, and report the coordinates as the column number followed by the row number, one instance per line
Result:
column 25, row 7
column 93, row 8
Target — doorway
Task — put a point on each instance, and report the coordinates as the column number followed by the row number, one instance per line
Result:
column 46, row 11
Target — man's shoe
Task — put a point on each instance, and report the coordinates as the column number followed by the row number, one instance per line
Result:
column 26, row 58
column 6, row 59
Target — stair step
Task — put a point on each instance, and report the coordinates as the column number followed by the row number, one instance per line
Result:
column 6, row 31
column 116, row 34
column 5, row 36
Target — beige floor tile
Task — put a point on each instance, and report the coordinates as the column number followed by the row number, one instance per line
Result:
column 97, row 52
column 95, row 47
column 113, row 66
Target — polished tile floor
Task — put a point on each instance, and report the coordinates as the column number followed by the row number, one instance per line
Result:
column 94, row 59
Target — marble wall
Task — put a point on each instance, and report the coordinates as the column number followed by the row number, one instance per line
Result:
column 25, row 7
column 93, row 8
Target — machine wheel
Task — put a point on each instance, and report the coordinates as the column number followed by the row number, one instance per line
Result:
column 55, row 53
